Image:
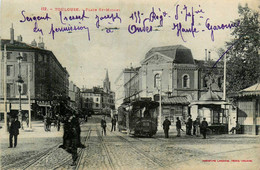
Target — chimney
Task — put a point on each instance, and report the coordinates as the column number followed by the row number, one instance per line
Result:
column 20, row 38
column 41, row 44
column 206, row 54
column 209, row 56
column 12, row 35
column 34, row 43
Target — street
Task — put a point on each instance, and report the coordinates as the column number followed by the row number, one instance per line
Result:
column 39, row 150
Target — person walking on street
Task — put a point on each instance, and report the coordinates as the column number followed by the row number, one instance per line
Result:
column 235, row 128
column 14, row 132
column 204, row 126
column 178, row 127
column 166, row 127
column 113, row 121
column 197, row 127
column 103, row 126
column 189, row 126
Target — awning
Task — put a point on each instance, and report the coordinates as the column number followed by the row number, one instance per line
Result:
column 175, row 100
column 207, row 102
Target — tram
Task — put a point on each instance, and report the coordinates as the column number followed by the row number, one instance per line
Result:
column 138, row 117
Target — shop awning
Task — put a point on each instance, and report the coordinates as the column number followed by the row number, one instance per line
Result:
column 207, row 102
column 175, row 100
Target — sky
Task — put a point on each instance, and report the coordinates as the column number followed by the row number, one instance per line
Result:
column 87, row 53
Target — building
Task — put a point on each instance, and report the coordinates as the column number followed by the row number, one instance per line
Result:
column 247, row 102
column 40, row 70
column 121, row 91
column 98, row 100
column 74, row 96
column 172, row 73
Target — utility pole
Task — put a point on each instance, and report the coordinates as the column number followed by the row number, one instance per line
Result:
column 29, row 97
column 5, row 92
column 225, row 77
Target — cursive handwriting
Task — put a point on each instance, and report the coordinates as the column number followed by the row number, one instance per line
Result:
column 111, row 17
column 145, row 23
column 69, row 28
column 72, row 17
column 179, row 25
column 219, row 27
column 37, row 29
column 34, row 18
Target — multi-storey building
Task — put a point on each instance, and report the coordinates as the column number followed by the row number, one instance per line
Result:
column 74, row 95
column 40, row 70
column 171, row 72
column 98, row 99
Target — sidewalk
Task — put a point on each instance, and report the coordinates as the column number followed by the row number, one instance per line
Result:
column 38, row 131
column 173, row 133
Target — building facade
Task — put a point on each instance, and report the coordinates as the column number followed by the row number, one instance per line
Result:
column 99, row 100
column 42, row 73
column 247, row 103
column 172, row 73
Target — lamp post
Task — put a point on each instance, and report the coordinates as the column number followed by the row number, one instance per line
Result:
column 20, row 83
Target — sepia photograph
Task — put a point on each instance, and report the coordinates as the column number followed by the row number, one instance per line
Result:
column 129, row 85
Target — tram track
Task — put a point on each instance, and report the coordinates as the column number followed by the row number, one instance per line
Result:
column 81, row 152
column 27, row 162
column 34, row 161
column 139, row 151
column 103, row 145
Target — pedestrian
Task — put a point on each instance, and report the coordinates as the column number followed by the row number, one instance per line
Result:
column 204, row 126
column 14, row 131
column 48, row 121
column 189, row 126
column 166, row 127
column 103, row 126
column 27, row 119
column 75, row 121
column 113, row 121
column 235, row 128
column 45, row 123
column 197, row 127
column 178, row 127
column 70, row 136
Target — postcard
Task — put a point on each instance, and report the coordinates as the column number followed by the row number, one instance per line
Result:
column 110, row 84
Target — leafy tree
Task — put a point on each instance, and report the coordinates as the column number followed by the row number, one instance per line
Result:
column 243, row 60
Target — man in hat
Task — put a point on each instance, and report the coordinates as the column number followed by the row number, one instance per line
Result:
column 166, row 127
column 204, row 126
column 103, row 125
column 14, row 131
column 178, row 127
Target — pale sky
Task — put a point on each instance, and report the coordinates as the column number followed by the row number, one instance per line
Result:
column 86, row 60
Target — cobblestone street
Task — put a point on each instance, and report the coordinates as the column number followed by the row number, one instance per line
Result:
column 39, row 150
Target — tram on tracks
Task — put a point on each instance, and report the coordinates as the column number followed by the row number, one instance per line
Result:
column 139, row 117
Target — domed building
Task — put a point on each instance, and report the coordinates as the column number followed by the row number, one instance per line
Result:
column 173, row 73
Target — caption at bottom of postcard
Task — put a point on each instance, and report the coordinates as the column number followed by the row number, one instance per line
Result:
column 227, row 160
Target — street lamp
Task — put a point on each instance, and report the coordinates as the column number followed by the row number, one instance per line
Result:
column 20, row 83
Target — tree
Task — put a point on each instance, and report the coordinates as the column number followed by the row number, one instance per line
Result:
column 243, row 60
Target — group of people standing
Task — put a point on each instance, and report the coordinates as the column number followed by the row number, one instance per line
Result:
column 104, row 125
column 196, row 125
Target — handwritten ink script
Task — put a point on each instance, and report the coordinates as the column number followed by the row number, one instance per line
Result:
column 183, row 20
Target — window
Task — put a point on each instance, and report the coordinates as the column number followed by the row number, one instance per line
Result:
column 97, row 99
column 8, row 55
column 157, row 80
column 24, row 57
column 8, row 90
column 220, row 82
column 205, row 81
column 185, row 81
column 97, row 105
column 9, row 70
